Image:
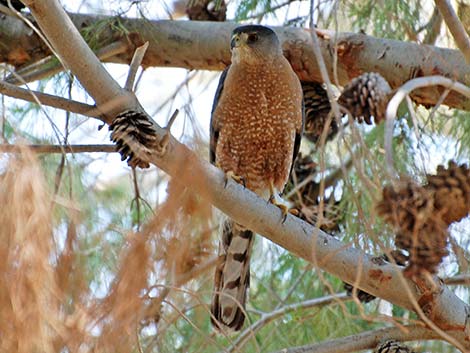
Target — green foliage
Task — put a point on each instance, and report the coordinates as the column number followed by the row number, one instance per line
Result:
column 387, row 19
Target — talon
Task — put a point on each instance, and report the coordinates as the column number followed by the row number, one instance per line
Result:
column 294, row 212
column 231, row 175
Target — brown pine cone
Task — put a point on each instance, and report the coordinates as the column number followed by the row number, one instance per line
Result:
column 392, row 346
column 206, row 10
column 419, row 228
column 366, row 96
column 451, row 188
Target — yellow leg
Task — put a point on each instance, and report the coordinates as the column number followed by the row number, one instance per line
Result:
column 285, row 210
column 231, row 175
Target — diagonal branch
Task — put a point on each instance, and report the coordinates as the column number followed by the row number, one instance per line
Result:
column 366, row 340
column 48, row 99
column 302, row 239
column 266, row 318
column 455, row 26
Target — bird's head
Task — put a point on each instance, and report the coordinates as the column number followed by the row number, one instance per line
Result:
column 254, row 44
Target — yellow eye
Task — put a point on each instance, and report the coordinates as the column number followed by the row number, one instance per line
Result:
column 252, row 37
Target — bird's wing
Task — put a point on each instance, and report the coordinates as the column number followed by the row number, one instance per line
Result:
column 214, row 126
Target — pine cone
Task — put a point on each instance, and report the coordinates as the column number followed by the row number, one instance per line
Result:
column 317, row 107
column 366, row 96
column 392, row 346
column 419, row 228
column 363, row 297
column 451, row 188
column 206, row 10
column 135, row 136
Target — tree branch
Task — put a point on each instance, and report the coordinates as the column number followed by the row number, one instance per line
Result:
column 455, row 26
column 204, row 45
column 243, row 206
column 50, row 100
column 366, row 340
column 7, row 148
column 266, row 318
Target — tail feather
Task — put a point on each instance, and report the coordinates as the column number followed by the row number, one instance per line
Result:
column 232, row 277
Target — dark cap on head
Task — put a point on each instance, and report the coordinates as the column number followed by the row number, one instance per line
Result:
column 261, row 30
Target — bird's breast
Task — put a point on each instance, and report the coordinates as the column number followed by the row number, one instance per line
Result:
column 259, row 114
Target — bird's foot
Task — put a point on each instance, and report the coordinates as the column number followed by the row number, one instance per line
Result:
column 284, row 208
column 231, row 175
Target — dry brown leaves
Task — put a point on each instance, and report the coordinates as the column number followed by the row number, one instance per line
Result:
column 46, row 303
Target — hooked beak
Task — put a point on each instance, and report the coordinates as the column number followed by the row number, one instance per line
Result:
column 236, row 41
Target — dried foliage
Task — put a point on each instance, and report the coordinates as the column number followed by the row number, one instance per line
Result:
column 366, row 96
column 31, row 318
column 46, row 303
column 421, row 214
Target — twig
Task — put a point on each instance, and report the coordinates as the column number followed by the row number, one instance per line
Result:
column 7, row 148
column 401, row 93
column 366, row 340
column 50, row 100
column 455, row 26
column 266, row 318
column 134, row 66
column 457, row 280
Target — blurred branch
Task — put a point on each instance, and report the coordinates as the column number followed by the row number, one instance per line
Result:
column 433, row 27
column 50, row 100
column 455, row 26
column 8, row 148
column 381, row 279
column 366, row 340
column 463, row 279
column 266, row 318
column 206, row 47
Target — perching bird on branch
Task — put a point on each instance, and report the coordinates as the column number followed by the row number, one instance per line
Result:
column 256, row 128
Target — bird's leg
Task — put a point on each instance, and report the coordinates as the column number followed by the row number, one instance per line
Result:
column 236, row 178
column 284, row 208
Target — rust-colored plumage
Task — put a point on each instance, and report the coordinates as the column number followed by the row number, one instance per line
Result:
column 256, row 126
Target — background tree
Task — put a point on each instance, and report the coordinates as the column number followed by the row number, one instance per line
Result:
column 121, row 259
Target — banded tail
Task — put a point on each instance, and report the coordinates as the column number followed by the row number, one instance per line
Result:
column 232, row 277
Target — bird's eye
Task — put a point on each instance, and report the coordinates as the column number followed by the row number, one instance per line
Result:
column 252, row 37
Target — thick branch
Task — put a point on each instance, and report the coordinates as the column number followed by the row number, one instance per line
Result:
column 204, row 45
column 366, row 340
column 243, row 206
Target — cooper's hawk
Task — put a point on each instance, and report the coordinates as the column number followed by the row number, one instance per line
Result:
column 256, row 128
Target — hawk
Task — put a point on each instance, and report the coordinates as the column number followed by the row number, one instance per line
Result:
column 255, row 132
